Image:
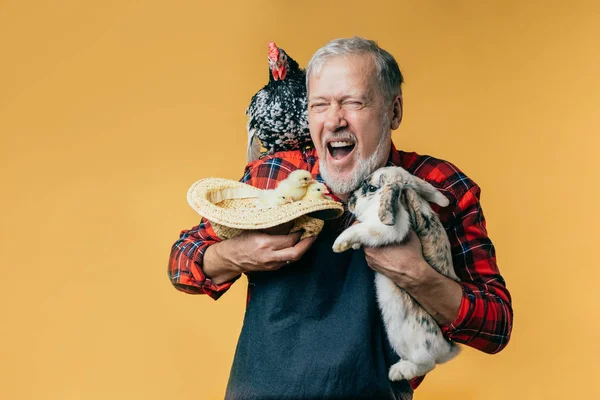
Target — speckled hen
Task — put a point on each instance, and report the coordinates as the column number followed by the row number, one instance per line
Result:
column 277, row 114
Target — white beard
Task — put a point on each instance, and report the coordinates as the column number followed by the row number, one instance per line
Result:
column 362, row 169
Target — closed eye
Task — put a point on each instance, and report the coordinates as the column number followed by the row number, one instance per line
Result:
column 319, row 106
column 353, row 105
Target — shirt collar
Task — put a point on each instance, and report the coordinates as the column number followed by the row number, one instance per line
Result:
column 394, row 159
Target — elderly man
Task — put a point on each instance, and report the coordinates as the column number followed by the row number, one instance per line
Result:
column 312, row 329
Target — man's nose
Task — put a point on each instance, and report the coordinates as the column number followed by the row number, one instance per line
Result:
column 335, row 119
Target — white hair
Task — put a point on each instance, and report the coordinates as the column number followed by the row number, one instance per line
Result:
column 388, row 73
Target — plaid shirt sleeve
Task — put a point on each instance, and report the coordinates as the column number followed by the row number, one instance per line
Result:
column 187, row 253
column 485, row 316
column 187, row 256
column 185, row 262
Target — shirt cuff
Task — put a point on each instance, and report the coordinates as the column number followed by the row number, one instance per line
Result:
column 215, row 291
column 207, row 286
column 465, row 312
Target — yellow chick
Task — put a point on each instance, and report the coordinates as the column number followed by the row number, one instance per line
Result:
column 315, row 191
column 271, row 198
column 295, row 184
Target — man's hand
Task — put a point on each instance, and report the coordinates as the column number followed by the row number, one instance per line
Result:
column 404, row 264
column 253, row 251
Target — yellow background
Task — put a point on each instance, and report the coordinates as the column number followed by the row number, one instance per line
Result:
column 110, row 110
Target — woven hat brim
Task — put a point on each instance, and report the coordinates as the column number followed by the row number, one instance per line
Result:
column 232, row 204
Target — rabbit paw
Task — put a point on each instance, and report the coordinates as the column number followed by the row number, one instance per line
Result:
column 339, row 246
column 395, row 373
column 347, row 240
column 408, row 370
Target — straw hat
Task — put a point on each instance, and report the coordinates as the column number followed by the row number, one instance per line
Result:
column 230, row 207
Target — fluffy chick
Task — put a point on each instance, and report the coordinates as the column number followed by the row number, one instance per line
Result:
column 315, row 191
column 272, row 198
column 295, row 184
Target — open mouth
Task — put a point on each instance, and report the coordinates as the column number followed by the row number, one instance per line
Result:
column 340, row 149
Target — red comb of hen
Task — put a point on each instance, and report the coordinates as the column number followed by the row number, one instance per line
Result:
column 273, row 51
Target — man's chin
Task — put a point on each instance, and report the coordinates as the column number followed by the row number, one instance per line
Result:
column 340, row 184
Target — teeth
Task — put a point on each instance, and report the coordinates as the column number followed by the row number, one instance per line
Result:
column 340, row 144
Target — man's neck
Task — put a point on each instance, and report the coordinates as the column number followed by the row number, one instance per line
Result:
column 343, row 197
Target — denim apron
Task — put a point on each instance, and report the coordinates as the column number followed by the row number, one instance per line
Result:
column 312, row 330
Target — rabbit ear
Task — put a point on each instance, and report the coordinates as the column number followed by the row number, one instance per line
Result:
column 429, row 193
column 412, row 202
column 388, row 204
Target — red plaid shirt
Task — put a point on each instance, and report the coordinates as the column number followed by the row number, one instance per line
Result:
column 484, row 320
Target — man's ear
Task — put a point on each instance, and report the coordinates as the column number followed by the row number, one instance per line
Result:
column 396, row 112
column 388, row 204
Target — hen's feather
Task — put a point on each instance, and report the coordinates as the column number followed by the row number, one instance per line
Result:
column 278, row 113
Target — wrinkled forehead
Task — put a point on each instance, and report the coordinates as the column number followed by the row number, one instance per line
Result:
column 354, row 73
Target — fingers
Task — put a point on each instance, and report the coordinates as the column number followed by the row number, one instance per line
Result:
column 375, row 267
column 282, row 229
column 293, row 253
column 270, row 252
column 267, row 242
column 278, row 242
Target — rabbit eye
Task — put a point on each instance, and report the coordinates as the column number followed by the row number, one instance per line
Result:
column 371, row 189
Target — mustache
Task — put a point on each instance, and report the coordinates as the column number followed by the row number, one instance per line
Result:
column 338, row 136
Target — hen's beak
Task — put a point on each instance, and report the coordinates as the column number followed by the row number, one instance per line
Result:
column 282, row 71
column 279, row 71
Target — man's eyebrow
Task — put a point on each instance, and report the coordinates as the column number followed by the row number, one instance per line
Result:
column 361, row 97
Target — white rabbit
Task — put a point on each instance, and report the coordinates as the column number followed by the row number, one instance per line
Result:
column 387, row 204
